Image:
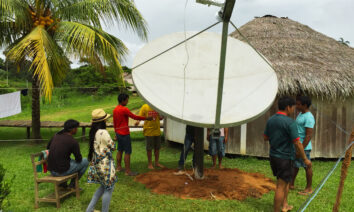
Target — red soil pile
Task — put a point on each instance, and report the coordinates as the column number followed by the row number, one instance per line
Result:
column 218, row 184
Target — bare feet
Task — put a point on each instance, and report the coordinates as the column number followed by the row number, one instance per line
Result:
column 120, row 169
column 220, row 166
column 159, row 165
column 150, row 166
column 287, row 208
column 291, row 187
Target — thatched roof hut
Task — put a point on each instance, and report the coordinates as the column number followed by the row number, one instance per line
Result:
column 306, row 62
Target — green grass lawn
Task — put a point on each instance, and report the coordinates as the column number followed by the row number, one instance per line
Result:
column 74, row 107
column 133, row 196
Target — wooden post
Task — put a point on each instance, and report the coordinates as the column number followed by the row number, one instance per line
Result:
column 199, row 153
column 344, row 172
column 57, row 197
column 28, row 132
column 83, row 133
column 77, row 188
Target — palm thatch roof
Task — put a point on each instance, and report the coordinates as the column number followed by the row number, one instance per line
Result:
column 305, row 61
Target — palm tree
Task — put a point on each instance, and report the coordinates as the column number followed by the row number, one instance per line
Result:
column 344, row 42
column 46, row 33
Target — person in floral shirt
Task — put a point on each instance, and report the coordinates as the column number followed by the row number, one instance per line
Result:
column 102, row 168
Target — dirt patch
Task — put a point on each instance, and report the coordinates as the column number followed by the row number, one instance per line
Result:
column 220, row 184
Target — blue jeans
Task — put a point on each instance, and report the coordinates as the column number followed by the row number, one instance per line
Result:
column 188, row 140
column 106, row 195
column 217, row 146
column 80, row 168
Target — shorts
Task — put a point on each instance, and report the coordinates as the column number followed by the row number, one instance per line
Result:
column 153, row 142
column 298, row 162
column 282, row 168
column 217, row 146
column 124, row 143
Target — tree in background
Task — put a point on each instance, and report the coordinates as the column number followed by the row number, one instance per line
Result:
column 344, row 42
column 48, row 32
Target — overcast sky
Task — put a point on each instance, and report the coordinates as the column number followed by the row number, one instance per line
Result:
column 333, row 18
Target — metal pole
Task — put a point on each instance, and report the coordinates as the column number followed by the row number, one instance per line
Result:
column 225, row 15
column 199, row 153
column 225, row 27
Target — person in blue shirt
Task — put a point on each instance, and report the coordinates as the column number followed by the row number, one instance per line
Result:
column 282, row 134
column 305, row 124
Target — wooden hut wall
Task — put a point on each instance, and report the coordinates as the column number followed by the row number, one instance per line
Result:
column 329, row 140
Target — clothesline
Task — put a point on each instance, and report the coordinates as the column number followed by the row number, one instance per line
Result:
column 21, row 88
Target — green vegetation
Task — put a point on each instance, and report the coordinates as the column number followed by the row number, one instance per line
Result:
column 133, row 196
column 44, row 34
column 73, row 104
column 4, row 187
column 130, row 195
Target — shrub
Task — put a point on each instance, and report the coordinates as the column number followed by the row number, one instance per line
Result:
column 4, row 186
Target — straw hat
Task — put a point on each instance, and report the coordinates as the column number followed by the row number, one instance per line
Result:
column 99, row 115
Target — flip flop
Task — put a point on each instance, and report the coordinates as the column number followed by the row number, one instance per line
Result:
column 304, row 193
column 160, row 166
column 131, row 174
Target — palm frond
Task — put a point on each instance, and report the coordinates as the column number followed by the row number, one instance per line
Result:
column 15, row 20
column 123, row 12
column 88, row 42
column 45, row 55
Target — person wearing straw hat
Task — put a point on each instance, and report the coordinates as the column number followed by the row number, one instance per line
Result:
column 121, row 115
column 102, row 169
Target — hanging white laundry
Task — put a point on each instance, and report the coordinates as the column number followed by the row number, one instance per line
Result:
column 10, row 104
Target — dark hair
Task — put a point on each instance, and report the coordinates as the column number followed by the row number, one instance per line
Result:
column 94, row 128
column 70, row 124
column 122, row 97
column 305, row 100
column 285, row 101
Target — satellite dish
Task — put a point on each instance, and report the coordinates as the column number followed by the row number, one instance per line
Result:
column 183, row 82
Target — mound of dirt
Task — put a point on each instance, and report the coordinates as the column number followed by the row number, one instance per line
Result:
column 220, row 184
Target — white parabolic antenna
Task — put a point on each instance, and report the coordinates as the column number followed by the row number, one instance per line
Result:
column 183, row 82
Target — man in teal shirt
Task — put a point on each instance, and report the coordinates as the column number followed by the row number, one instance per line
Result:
column 305, row 124
column 281, row 131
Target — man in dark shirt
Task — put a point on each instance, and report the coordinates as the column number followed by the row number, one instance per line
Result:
column 281, row 131
column 60, row 148
column 189, row 139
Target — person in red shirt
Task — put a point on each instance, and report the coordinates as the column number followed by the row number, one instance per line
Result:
column 121, row 115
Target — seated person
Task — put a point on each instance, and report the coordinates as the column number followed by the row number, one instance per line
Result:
column 61, row 146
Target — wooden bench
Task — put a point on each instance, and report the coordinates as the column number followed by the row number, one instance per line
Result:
column 52, row 124
column 58, row 193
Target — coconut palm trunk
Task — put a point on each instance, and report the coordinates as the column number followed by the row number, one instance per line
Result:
column 36, row 115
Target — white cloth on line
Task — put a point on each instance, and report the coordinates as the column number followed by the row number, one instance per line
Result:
column 10, row 104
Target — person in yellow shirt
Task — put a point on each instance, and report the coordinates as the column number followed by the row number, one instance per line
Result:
column 152, row 134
